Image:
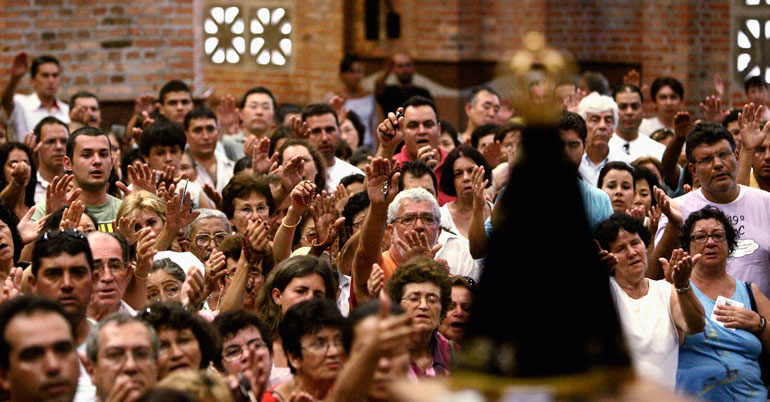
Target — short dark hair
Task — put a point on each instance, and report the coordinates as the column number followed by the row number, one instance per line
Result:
column 56, row 242
column 356, row 203
column 706, row 133
column 29, row 190
column 82, row 94
column 48, row 120
column 478, row 89
column 173, row 86
column 230, row 322
column 173, row 315
column 87, row 131
column 199, row 112
column 163, row 132
column 447, row 127
column 670, row 82
column 360, row 313
column 628, row 88
column 708, row 212
column 573, row 121
column 307, row 318
column 258, row 90
column 26, row 305
column 608, row 230
column 418, row 270
column 347, row 62
column 755, row 81
column 732, row 116
column 417, row 168
column 286, row 108
column 352, row 178
column 447, row 183
column 506, row 128
column 242, row 185
column 318, row 109
column 596, row 82
column 417, row 100
column 40, row 60
column 615, row 165
column 642, row 173
column 481, row 132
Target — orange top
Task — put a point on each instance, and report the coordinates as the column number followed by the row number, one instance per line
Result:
column 388, row 267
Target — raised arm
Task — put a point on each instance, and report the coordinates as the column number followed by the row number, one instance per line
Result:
column 19, row 68
column 751, row 138
column 477, row 236
column 301, row 198
column 682, row 126
column 255, row 243
column 687, row 310
column 136, row 291
column 390, row 133
column 671, row 220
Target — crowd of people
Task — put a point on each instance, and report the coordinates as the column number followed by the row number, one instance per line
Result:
column 245, row 249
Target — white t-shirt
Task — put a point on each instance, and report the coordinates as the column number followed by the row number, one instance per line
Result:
column 336, row 172
column 640, row 147
column 456, row 248
column 650, row 125
column 650, row 331
column 27, row 112
column 750, row 216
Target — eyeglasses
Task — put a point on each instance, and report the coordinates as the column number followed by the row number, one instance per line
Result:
column 414, row 299
column 321, row 346
column 119, row 356
column 203, row 239
column 116, row 266
column 248, row 211
column 235, row 352
column 723, row 156
column 470, row 280
column 702, row 238
column 411, row 219
column 71, row 233
column 170, row 291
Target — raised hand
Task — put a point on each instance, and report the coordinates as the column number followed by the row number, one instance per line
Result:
column 493, row 153
column 748, row 122
column 142, row 178
column 299, row 129
column 391, row 131
column 228, row 115
column 29, row 230
column 255, row 241
column 479, row 184
column 337, row 102
column 146, row 119
column 378, row 176
column 56, row 193
column 164, row 193
column 30, row 140
column 677, row 270
column 712, row 109
column 144, row 104
column 653, row 218
column 169, row 176
column 216, row 269
column 20, row 173
column 213, row 195
column 193, row 288
column 19, row 65
column 376, row 280
column 682, row 124
column 416, row 243
column 342, row 196
column 302, row 195
column 145, row 251
column 606, row 259
column 293, row 172
column 12, row 284
column 125, row 227
column 179, row 212
column 572, row 101
column 719, row 85
column 636, row 213
column 429, row 155
column 260, row 157
column 668, row 207
column 323, row 214
column 70, row 219
column 632, row 77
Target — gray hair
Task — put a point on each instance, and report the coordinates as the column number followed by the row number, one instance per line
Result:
column 417, row 194
column 205, row 214
column 119, row 319
column 595, row 103
column 169, row 267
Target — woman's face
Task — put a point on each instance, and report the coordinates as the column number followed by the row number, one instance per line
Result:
column 453, row 325
column 148, row 218
column 309, row 234
column 445, row 142
column 322, row 356
column 349, row 134
column 179, row 350
column 298, row 290
column 161, row 286
column 619, row 185
column 188, row 167
column 631, row 254
column 714, row 252
column 643, row 195
column 310, row 168
column 87, row 224
column 463, row 177
column 422, row 301
column 15, row 157
column 6, row 242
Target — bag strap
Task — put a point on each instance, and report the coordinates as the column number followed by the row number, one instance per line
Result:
column 751, row 298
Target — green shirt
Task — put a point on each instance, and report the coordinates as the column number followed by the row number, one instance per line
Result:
column 104, row 213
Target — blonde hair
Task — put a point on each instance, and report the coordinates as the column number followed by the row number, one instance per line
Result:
column 137, row 202
column 203, row 385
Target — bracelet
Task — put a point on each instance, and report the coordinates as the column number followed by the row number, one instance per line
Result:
column 682, row 290
column 139, row 277
column 762, row 323
column 283, row 222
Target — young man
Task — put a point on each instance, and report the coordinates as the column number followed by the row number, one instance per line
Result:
column 85, row 110
column 258, row 118
column 90, row 161
column 26, row 111
column 51, row 135
column 38, row 361
column 175, row 101
column 626, row 138
column 202, row 133
column 757, row 93
column 482, row 108
column 668, row 95
column 324, row 131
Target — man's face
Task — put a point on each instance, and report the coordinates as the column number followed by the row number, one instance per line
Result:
column 667, row 102
column 207, row 234
column 423, row 181
column 573, row 146
column 353, row 77
column 600, row 127
column 110, row 271
column 93, row 114
column 175, row 105
column 124, row 359
column 46, row 81
column 250, row 208
column 562, row 94
column 202, row 136
column 734, row 128
column 483, row 109
column 66, row 279
column 398, row 229
column 403, row 68
column 164, row 155
column 421, row 128
column 761, row 163
column 42, row 361
column 716, row 167
column 757, row 95
column 323, row 134
column 629, row 112
column 53, row 146
column 91, row 162
column 258, row 113
column 240, row 351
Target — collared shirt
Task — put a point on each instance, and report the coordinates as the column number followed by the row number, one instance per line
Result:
column 640, row 147
column 651, row 125
column 590, row 171
column 403, row 157
column 442, row 359
column 28, row 111
column 224, row 173
column 40, row 188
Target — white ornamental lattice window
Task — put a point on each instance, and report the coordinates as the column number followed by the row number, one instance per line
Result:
column 751, row 39
column 265, row 33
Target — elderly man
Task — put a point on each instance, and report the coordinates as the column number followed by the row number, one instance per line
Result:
column 112, row 277
column 600, row 113
column 38, row 361
column 482, row 108
column 207, row 232
column 122, row 358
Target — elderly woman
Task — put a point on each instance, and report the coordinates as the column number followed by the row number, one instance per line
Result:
column 722, row 362
column 456, row 317
column 422, row 287
column 164, row 282
column 187, row 341
column 294, row 280
column 617, row 180
column 654, row 314
column 311, row 332
column 19, row 178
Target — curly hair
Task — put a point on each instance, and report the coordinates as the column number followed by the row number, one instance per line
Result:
column 241, row 186
column 608, row 230
column 418, row 270
column 708, row 212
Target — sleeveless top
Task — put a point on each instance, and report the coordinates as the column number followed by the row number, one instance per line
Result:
column 720, row 364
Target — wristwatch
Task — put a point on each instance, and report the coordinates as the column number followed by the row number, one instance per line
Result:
column 762, row 323
column 682, row 290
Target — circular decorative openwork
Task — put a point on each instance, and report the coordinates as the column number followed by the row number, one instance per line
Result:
column 224, row 28
column 270, row 29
